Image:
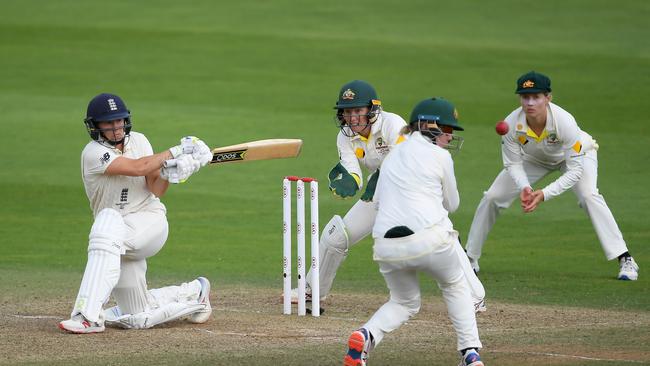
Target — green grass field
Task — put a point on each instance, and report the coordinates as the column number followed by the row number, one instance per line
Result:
column 236, row 71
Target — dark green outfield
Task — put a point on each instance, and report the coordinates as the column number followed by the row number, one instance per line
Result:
column 235, row 71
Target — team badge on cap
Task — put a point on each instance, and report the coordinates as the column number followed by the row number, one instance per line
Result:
column 528, row 84
column 348, row 94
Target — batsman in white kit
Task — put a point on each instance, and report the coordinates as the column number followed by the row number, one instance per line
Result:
column 367, row 134
column 543, row 138
column 413, row 234
column 123, row 180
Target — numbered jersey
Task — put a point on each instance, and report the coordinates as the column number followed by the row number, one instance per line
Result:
column 370, row 152
column 122, row 193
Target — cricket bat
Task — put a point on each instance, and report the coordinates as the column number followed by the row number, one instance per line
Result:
column 257, row 150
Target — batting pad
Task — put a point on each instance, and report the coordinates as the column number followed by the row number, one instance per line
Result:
column 163, row 314
column 103, row 267
column 333, row 250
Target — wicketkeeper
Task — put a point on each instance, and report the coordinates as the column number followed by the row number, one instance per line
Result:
column 124, row 179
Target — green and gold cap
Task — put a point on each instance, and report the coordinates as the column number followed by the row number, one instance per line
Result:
column 533, row 82
column 357, row 93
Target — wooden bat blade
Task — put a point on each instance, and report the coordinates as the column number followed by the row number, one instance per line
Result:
column 257, row 150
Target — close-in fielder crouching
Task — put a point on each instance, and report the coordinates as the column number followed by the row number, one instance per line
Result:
column 123, row 179
column 367, row 135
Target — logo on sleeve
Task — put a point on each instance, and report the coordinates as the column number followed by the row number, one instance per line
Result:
column 104, row 159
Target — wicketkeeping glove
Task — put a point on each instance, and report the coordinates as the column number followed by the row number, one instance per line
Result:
column 370, row 187
column 341, row 183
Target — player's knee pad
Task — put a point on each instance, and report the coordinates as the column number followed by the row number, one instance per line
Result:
column 333, row 248
column 108, row 232
column 334, row 235
column 105, row 245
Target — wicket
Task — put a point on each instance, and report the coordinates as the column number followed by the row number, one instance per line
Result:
column 300, row 239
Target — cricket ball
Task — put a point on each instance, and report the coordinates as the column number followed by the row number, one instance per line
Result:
column 502, row 127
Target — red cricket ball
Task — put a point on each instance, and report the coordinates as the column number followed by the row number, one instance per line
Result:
column 502, row 127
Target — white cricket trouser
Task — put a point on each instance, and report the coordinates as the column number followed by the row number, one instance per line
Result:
column 359, row 220
column 503, row 192
column 146, row 235
column 433, row 252
column 358, row 223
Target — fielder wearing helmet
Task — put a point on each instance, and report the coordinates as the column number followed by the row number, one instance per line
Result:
column 413, row 234
column 437, row 118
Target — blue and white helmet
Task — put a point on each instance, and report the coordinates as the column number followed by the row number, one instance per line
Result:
column 103, row 108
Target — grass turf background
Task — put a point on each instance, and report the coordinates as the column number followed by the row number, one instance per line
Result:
column 238, row 71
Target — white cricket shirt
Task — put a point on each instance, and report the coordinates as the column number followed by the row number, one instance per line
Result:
column 370, row 152
column 416, row 187
column 123, row 193
column 562, row 141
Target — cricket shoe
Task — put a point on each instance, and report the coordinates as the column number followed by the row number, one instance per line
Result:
column 629, row 270
column 203, row 315
column 471, row 358
column 359, row 345
column 480, row 307
column 78, row 324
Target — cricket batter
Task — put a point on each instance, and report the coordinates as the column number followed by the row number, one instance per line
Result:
column 123, row 180
column 412, row 232
column 543, row 138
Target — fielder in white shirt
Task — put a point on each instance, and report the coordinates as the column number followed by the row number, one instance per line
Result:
column 123, row 180
column 543, row 138
column 415, row 193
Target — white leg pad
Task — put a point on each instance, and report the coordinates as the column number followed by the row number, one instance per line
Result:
column 333, row 249
column 187, row 293
column 148, row 319
column 103, row 267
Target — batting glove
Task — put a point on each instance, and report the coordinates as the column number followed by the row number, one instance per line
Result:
column 197, row 148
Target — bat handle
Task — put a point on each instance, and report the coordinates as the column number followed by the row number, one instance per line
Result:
column 169, row 163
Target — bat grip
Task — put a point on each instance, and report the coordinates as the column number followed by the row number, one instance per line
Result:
column 169, row 163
